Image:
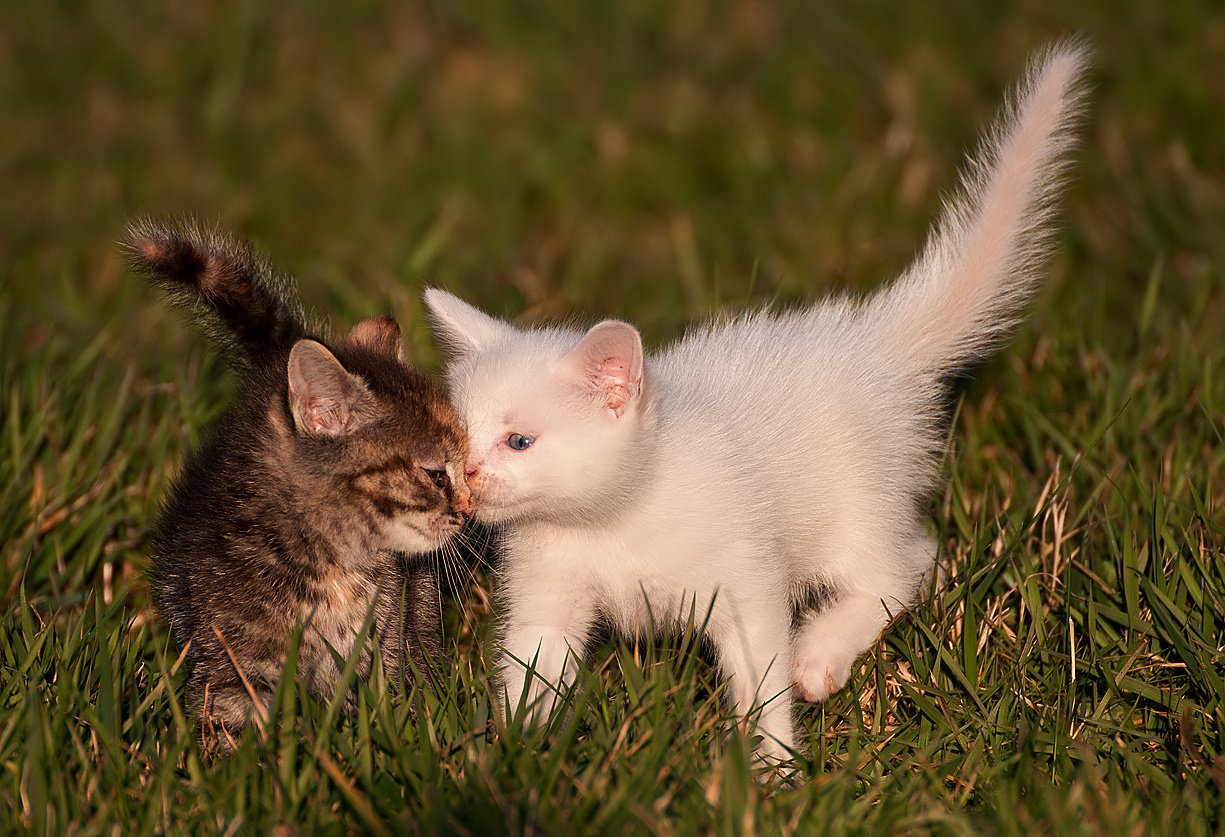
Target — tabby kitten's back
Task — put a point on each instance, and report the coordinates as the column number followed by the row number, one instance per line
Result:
column 311, row 499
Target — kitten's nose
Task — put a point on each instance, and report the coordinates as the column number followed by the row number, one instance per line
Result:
column 470, row 472
column 465, row 506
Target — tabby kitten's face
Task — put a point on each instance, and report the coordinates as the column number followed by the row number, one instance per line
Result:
column 378, row 440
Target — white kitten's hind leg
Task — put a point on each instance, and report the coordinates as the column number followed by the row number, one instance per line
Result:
column 829, row 642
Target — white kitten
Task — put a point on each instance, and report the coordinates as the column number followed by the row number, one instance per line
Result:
column 758, row 460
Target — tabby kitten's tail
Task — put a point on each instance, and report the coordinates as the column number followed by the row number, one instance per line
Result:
column 249, row 307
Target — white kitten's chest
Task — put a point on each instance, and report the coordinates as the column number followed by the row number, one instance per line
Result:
column 656, row 565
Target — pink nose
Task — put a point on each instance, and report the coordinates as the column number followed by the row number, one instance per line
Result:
column 470, row 472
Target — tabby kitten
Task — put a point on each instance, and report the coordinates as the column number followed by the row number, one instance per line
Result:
column 308, row 501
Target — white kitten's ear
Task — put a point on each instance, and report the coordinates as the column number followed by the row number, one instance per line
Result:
column 324, row 398
column 607, row 362
column 462, row 328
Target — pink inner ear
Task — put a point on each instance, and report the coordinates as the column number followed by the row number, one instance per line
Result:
column 611, row 378
column 608, row 363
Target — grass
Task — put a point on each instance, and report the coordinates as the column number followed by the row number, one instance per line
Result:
column 653, row 161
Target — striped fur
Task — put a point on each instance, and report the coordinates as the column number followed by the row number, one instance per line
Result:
column 310, row 502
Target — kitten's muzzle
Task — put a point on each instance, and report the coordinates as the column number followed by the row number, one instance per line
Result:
column 464, row 504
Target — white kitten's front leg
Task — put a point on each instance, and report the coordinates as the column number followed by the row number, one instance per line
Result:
column 551, row 653
column 754, row 653
column 545, row 631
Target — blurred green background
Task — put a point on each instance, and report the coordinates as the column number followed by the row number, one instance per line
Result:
column 654, row 161
column 640, row 159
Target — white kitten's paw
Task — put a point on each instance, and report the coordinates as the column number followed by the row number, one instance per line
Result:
column 823, row 662
column 775, row 752
column 817, row 679
column 825, row 650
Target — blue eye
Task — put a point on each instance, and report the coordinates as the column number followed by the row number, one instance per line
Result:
column 517, row 441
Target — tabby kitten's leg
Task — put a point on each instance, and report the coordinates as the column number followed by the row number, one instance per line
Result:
column 227, row 707
column 420, row 631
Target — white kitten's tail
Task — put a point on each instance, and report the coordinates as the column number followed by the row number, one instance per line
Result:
column 981, row 263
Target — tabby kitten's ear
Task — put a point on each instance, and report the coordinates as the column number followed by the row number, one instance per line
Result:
column 380, row 335
column 324, row 398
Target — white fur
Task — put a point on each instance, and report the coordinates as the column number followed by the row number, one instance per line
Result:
column 759, row 458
